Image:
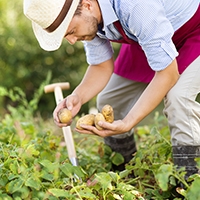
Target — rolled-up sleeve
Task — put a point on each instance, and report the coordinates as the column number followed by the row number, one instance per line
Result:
column 161, row 55
column 98, row 50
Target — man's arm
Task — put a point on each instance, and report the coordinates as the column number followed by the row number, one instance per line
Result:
column 162, row 82
column 94, row 80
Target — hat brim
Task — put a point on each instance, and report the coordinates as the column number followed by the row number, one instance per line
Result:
column 52, row 41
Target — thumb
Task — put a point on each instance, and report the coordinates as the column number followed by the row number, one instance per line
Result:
column 69, row 105
column 105, row 125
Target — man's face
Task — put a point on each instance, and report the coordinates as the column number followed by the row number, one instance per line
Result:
column 82, row 27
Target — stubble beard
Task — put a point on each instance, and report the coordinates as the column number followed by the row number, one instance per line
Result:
column 93, row 28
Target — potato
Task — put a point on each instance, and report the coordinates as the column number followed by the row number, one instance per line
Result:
column 108, row 113
column 87, row 120
column 98, row 117
column 64, row 115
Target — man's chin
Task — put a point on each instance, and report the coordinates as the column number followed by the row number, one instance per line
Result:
column 90, row 38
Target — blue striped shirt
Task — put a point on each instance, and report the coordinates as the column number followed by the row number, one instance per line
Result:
column 151, row 23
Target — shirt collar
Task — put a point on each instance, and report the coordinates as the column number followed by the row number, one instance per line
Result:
column 108, row 13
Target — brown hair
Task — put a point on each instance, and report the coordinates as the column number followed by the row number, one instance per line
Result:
column 79, row 8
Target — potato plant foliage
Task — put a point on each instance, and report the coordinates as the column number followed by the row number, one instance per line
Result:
column 34, row 163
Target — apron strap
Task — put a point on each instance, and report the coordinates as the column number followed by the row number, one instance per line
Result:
column 125, row 38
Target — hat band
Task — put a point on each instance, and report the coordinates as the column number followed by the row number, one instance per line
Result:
column 60, row 17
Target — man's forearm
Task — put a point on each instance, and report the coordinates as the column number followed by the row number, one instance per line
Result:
column 95, row 79
column 153, row 95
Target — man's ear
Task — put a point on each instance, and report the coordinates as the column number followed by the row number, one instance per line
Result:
column 87, row 4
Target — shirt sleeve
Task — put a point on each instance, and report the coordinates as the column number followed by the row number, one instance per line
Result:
column 98, row 50
column 149, row 23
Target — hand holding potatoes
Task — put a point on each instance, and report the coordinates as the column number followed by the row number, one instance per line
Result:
column 106, row 114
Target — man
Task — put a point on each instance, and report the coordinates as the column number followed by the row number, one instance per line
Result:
column 161, row 40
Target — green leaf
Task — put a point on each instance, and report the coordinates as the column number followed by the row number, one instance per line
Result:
column 14, row 167
column 31, row 151
column 107, row 149
column 87, row 193
column 33, row 182
column 163, row 174
column 3, row 91
column 14, row 185
column 8, row 162
column 67, row 169
column 3, row 180
column 47, row 176
column 17, row 197
column 124, row 173
column 5, row 197
column 117, row 158
column 193, row 192
column 51, row 167
column 117, row 197
column 115, row 177
column 71, row 171
column 23, row 192
column 104, row 180
column 77, row 170
column 110, row 197
column 60, row 193
column 128, row 196
column 127, row 187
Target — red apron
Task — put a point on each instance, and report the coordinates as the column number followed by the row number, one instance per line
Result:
column 132, row 64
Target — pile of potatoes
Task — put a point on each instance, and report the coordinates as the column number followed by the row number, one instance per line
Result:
column 106, row 114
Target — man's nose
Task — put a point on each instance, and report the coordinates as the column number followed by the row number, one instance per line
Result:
column 71, row 39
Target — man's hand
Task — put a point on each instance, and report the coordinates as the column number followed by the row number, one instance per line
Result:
column 109, row 129
column 72, row 103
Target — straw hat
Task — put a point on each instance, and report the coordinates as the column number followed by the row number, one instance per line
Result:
column 50, row 20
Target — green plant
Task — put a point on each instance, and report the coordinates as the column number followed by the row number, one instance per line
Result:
column 34, row 163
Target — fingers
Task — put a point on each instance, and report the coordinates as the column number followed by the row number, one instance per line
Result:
column 57, row 108
column 85, row 131
column 92, row 130
column 71, row 100
column 109, row 129
column 63, row 104
column 106, row 125
column 59, row 124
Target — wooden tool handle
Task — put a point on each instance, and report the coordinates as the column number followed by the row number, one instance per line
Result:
column 66, row 130
column 69, row 142
column 51, row 87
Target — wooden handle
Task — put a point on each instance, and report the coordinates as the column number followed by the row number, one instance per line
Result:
column 51, row 87
column 58, row 94
column 69, row 141
column 66, row 130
